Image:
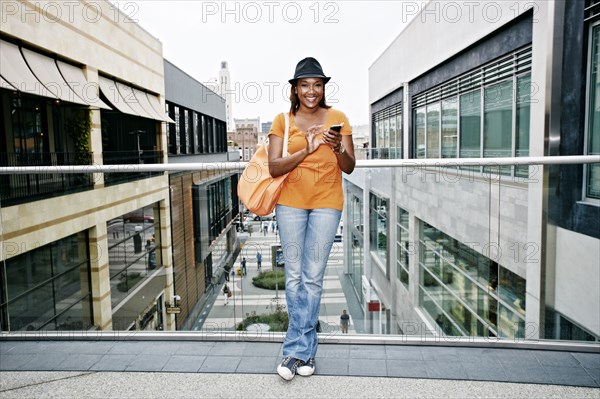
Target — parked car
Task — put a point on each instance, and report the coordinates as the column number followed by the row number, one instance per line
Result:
column 270, row 216
column 138, row 218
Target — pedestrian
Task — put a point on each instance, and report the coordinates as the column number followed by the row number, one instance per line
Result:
column 226, row 294
column 265, row 228
column 258, row 260
column 310, row 205
column 344, row 321
column 243, row 266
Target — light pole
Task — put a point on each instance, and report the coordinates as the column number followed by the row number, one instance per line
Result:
column 233, row 285
column 139, row 149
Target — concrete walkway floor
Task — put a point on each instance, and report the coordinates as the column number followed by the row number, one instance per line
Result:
column 63, row 384
column 184, row 366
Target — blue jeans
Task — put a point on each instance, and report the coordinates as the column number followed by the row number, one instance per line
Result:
column 306, row 239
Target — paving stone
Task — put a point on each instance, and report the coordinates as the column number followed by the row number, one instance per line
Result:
column 259, row 365
column 332, row 366
column 570, row 376
column 13, row 362
column 367, row 367
column 194, row 348
column 110, row 362
column 147, row 363
column 405, row 368
column 220, row 364
column 79, row 362
column 403, row 353
column 228, row 349
column 183, row 364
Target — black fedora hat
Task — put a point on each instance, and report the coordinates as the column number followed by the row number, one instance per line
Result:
column 309, row 68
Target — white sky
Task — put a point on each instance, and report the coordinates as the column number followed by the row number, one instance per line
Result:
column 262, row 44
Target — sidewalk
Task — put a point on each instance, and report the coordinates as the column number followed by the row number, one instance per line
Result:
column 248, row 299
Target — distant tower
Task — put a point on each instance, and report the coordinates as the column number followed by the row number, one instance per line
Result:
column 225, row 91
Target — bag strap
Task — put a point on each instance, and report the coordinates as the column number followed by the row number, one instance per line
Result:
column 286, row 116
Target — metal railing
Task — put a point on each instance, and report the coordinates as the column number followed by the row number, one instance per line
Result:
column 133, row 159
column 18, row 188
column 408, row 166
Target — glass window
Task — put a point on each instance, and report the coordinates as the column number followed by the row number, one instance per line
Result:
column 511, row 289
column 433, row 130
column 49, row 287
column 197, row 134
column 357, row 269
column 386, row 133
column 449, row 128
column 131, row 250
column 376, row 131
column 468, row 285
column 177, row 136
column 470, row 124
column 379, row 228
column 593, row 129
column 399, row 138
column 497, row 125
column 393, row 137
column 420, row 132
column 187, row 136
column 355, row 229
column 522, row 120
column 402, row 246
column 380, row 135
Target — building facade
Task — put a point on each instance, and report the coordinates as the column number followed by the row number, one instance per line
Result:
column 246, row 136
column 480, row 250
column 226, row 92
column 203, row 204
column 89, row 251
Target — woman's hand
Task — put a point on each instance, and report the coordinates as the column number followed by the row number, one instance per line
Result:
column 312, row 142
column 333, row 139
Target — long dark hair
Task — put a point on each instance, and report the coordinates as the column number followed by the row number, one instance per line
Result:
column 295, row 101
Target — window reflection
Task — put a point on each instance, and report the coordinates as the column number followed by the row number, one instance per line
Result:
column 379, row 228
column 48, row 288
column 477, row 295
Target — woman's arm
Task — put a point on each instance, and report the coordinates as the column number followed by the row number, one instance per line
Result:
column 279, row 165
column 343, row 148
column 345, row 154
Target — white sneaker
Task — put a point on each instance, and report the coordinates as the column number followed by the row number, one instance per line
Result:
column 287, row 368
column 307, row 369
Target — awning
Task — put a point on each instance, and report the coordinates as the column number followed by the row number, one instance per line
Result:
column 131, row 101
column 47, row 72
column 109, row 89
column 14, row 70
column 144, row 99
column 5, row 85
column 129, row 96
column 158, row 108
column 87, row 91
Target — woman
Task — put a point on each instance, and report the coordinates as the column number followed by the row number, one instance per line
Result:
column 225, row 294
column 310, row 205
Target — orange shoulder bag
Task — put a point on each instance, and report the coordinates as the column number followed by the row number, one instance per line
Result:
column 257, row 190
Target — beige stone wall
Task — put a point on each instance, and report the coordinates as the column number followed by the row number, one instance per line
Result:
column 105, row 41
column 94, row 33
column 38, row 223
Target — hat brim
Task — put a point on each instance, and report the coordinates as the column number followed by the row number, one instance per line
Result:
column 325, row 78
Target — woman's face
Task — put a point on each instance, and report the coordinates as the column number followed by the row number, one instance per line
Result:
column 310, row 92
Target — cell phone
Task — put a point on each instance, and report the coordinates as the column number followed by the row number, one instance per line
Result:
column 337, row 128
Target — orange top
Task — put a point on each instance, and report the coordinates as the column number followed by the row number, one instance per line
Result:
column 317, row 181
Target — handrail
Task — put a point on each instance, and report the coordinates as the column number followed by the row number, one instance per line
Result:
column 324, row 338
column 372, row 163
